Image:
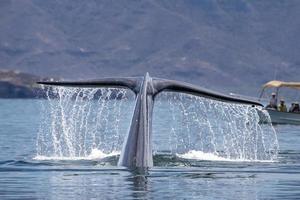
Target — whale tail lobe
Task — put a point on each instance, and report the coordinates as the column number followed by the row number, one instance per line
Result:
column 137, row 147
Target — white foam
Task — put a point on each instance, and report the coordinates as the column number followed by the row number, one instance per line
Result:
column 200, row 155
column 95, row 154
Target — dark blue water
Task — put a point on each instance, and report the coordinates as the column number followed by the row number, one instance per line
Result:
column 22, row 177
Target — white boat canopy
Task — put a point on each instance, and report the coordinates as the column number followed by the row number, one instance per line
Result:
column 278, row 84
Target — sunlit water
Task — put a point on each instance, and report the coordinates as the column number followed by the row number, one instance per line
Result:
column 189, row 161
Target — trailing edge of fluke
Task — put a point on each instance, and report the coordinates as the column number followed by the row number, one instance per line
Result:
column 137, row 149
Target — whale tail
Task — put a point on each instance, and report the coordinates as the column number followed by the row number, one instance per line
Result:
column 137, row 148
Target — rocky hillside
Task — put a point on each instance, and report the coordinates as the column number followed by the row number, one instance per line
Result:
column 14, row 84
column 224, row 45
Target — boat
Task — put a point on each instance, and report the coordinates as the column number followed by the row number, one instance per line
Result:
column 279, row 117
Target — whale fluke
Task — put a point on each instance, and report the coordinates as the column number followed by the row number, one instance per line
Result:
column 137, row 148
column 129, row 83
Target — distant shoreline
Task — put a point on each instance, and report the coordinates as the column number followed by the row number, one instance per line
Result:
column 18, row 85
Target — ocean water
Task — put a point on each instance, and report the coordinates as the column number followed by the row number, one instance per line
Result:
column 30, row 169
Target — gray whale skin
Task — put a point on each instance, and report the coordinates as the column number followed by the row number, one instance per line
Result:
column 137, row 149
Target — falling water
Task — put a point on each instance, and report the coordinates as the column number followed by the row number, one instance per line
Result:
column 83, row 123
column 89, row 123
column 201, row 128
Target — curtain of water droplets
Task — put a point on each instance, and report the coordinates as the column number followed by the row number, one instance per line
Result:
column 184, row 122
column 77, row 120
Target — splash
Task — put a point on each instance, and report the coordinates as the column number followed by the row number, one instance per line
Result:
column 95, row 154
column 91, row 123
column 199, row 155
column 203, row 128
column 83, row 123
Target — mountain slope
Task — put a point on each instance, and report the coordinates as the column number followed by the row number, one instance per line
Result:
column 223, row 45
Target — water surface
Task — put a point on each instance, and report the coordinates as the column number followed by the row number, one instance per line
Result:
column 23, row 177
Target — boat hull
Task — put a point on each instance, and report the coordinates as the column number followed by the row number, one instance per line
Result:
column 278, row 117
